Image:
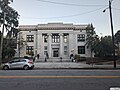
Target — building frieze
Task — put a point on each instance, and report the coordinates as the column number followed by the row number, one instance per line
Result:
column 53, row 26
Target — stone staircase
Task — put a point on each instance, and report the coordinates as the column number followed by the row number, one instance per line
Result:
column 54, row 60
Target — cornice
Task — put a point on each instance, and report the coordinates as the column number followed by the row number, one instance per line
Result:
column 27, row 27
column 55, row 26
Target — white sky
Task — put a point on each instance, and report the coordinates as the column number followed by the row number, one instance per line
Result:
column 36, row 12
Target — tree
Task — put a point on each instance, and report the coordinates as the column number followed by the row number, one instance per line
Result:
column 104, row 47
column 9, row 46
column 92, row 39
column 9, row 20
column 117, row 41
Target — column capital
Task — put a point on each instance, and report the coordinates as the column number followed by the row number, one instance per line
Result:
column 49, row 34
column 61, row 34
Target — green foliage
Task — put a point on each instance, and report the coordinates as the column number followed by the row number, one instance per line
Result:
column 8, row 52
column 11, row 17
column 77, row 57
column 9, row 20
column 117, row 37
column 31, row 53
column 8, row 48
column 104, row 47
column 92, row 40
column 117, row 42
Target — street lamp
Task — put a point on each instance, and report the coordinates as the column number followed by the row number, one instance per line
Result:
column 111, row 21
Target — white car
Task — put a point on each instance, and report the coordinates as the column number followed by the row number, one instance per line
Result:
column 18, row 63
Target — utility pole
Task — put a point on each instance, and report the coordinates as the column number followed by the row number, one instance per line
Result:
column 113, row 41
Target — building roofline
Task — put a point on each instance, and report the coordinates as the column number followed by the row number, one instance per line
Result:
column 53, row 26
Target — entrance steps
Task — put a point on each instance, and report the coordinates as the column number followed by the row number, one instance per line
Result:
column 54, row 60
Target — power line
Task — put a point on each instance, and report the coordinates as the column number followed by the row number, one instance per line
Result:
column 70, row 4
column 66, row 15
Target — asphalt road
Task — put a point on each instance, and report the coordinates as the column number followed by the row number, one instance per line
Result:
column 59, row 79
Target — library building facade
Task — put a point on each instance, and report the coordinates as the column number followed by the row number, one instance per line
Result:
column 54, row 39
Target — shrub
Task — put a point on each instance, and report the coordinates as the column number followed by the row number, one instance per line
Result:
column 77, row 57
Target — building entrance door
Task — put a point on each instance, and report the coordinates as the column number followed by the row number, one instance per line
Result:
column 55, row 52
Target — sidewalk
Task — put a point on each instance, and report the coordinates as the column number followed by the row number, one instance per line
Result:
column 70, row 65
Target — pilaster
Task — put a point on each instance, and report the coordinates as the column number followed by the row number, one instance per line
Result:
column 61, row 45
column 49, row 45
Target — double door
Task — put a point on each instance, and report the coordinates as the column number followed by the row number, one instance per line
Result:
column 56, row 52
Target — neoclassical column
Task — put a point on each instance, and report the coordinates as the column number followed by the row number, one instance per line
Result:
column 49, row 45
column 61, row 45
column 40, row 44
column 71, row 43
column 36, row 42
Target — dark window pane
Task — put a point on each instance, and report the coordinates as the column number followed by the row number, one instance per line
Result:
column 65, row 38
column 55, row 38
column 30, row 38
column 81, row 49
column 81, row 37
column 29, row 50
column 45, row 38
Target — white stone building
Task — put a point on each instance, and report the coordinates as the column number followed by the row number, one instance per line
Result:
column 55, row 39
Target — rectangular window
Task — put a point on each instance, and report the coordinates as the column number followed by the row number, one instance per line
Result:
column 30, row 50
column 45, row 38
column 30, row 38
column 81, row 37
column 65, row 38
column 65, row 50
column 45, row 47
column 45, row 50
column 55, row 38
column 81, row 49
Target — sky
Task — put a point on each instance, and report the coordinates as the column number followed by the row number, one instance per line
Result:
column 33, row 12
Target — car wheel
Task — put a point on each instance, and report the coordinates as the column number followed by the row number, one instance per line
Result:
column 6, row 67
column 26, row 67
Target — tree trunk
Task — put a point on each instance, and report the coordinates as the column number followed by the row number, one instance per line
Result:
column 1, row 44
